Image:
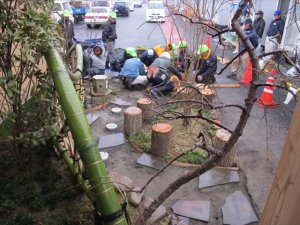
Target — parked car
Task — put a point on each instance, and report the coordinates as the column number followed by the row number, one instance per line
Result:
column 121, row 8
column 102, row 3
column 58, row 9
column 130, row 6
column 96, row 16
column 155, row 11
column 138, row 4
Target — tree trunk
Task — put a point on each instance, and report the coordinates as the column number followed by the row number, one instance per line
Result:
column 132, row 120
column 160, row 141
column 222, row 136
column 184, row 94
column 145, row 104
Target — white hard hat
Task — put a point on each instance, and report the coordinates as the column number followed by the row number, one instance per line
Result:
column 166, row 55
column 150, row 52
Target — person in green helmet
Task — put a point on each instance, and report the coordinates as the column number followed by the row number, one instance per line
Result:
column 68, row 28
column 133, row 71
column 109, row 36
column 206, row 65
column 183, row 59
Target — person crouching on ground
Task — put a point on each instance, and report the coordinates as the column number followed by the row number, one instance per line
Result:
column 206, row 66
column 160, row 81
column 165, row 65
column 94, row 61
column 148, row 57
column 133, row 71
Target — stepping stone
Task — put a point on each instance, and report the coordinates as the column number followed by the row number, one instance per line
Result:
column 198, row 210
column 218, row 176
column 135, row 198
column 111, row 140
column 238, row 210
column 151, row 161
column 92, row 118
column 158, row 214
column 121, row 102
column 121, row 182
column 179, row 220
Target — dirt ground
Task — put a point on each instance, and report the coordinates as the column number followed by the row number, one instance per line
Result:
column 122, row 159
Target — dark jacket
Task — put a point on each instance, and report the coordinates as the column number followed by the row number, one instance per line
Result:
column 276, row 27
column 146, row 59
column 259, row 26
column 207, row 68
column 165, row 65
column 68, row 28
column 109, row 32
column 183, row 60
column 252, row 37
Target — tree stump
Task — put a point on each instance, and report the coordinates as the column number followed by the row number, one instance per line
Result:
column 145, row 104
column 222, row 138
column 160, row 140
column 132, row 120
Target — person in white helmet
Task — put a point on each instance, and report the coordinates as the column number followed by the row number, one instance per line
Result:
column 148, row 57
column 163, row 62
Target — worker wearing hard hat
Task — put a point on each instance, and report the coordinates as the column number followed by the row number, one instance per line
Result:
column 182, row 60
column 109, row 36
column 206, row 65
column 133, row 71
column 67, row 25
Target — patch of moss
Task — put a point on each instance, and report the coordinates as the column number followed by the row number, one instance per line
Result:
column 142, row 140
column 195, row 157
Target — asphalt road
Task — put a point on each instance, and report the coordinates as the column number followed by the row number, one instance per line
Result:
column 132, row 31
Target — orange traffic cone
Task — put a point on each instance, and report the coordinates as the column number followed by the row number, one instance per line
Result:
column 207, row 42
column 266, row 99
column 247, row 77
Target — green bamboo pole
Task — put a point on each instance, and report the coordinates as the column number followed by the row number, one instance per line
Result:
column 106, row 200
column 74, row 170
column 79, row 64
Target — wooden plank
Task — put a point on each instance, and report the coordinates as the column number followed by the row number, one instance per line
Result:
column 283, row 202
column 224, row 85
column 102, row 105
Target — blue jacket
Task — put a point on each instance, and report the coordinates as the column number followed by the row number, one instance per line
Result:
column 276, row 26
column 252, row 37
column 132, row 68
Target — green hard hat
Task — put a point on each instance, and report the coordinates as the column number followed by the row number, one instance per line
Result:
column 131, row 51
column 67, row 13
column 182, row 44
column 174, row 46
column 112, row 15
column 202, row 49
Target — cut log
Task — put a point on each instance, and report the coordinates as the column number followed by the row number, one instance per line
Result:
column 207, row 93
column 222, row 136
column 145, row 104
column 160, row 141
column 132, row 120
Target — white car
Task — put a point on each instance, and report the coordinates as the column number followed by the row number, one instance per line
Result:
column 131, row 6
column 155, row 11
column 96, row 16
column 138, row 4
column 58, row 10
